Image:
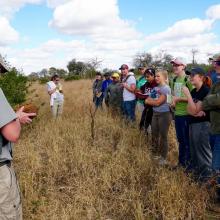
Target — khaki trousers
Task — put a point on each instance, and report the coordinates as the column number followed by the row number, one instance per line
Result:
column 10, row 200
column 57, row 108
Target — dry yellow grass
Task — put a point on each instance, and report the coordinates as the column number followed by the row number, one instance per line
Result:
column 64, row 174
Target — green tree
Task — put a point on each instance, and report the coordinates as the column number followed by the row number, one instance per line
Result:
column 14, row 86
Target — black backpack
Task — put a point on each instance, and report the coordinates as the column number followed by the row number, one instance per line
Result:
column 185, row 81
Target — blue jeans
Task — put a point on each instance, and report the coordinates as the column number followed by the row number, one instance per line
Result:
column 98, row 101
column 182, row 133
column 129, row 110
column 215, row 145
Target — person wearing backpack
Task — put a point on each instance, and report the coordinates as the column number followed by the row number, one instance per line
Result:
column 129, row 98
column 213, row 73
column 179, row 102
column 10, row 128
column 199, row 125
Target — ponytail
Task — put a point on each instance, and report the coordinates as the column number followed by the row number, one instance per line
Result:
column 207, row 81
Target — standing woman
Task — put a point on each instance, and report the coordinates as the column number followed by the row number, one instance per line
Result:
column 55, row 91
column 161, row 115
column 144, row 93
column 199, row 125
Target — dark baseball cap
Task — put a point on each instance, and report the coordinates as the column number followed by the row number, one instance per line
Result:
column 195, row 70
column 142, row 66
column 150, row 71
column 124, row 66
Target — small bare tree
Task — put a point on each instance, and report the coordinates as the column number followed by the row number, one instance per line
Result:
column 194, row 52
column 92, row 113
column 95, row 63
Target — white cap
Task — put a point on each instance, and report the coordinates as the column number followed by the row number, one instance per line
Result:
column 179, row 61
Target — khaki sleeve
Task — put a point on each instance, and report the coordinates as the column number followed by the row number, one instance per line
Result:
column 211, row 102
column 7, row 114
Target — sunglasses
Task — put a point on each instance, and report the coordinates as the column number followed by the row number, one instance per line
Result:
column 217, row 62
column 176, row 65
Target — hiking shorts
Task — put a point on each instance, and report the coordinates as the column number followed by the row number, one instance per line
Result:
column 10, row 200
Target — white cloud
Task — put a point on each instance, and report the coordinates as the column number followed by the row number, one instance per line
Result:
column 7, row 33
column 182, row 29
column 95, row 18
column 213, row 12
column 188, row 34
column 9, row 7
column 55, row 3
column 57, row 53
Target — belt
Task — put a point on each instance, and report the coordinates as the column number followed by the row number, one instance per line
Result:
column 7, row 162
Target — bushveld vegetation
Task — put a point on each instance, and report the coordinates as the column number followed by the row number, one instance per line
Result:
column 67, row 172
column 14, row 86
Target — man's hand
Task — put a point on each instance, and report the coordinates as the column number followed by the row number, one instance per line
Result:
column 125, row 85
column 23, row 117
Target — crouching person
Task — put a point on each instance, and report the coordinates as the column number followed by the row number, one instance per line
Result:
column 10, row 125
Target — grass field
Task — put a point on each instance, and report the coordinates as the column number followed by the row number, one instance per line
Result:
column 66, row 174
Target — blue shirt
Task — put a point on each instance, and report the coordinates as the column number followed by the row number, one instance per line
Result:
column 105, row 84
column 214, row 76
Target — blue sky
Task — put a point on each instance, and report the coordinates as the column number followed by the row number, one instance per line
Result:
column 44, row 33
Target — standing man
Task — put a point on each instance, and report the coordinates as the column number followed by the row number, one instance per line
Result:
column 140, row 82
column 10, row 127
column 180, row 104
column 105, row 84
column 129, row 98
column 214, row 72
column 97, row 91
column 113, row 96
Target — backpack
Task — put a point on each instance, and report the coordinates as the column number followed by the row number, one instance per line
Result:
column 185, row 81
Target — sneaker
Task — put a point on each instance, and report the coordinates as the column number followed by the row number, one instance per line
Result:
column 155, row 157
column 162, row 162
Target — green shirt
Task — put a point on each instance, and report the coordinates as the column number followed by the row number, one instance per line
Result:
column 140, row 82
column 177, row 84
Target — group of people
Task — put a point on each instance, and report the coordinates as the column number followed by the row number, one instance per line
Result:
column 189, row 97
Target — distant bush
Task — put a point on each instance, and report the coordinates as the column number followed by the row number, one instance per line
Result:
column 73, row 77
column 44, row 80
column 14, row 86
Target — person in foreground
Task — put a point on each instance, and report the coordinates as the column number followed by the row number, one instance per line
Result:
column 10, row 125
